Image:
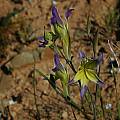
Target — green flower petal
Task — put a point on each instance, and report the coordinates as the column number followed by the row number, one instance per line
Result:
column 91, row 75
column 80, row 75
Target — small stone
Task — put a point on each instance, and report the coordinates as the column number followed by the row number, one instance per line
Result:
column 65, row 115
column 25, row 58
column 108, row 106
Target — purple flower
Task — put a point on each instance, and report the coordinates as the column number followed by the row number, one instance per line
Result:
column 57, row 62
column 68, row 13
column 81, row 54
column 70, row 82
column 56, row 59
column 83, row 91
column 85, row 88
column 100, row 58
column 42, row 41
column 58, row 65
column 60, row 29
column 61, row 73
column 55, row 16
column 100, row 83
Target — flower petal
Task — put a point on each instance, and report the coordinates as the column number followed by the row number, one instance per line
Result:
column 58, row 65
column 81, row 54
column 100, row 58
column 71, row 82
column 91, row 75
column 83, row 91
column 53, row 20
column 43, row 43
column 57, row 62
column 41, row 38
column 56, row 17
column 56, row 59
column 100, row 83
column 68, row 13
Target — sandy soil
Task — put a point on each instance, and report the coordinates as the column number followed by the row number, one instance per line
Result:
column 19, row 84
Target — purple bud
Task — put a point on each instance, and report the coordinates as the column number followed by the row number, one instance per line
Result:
column 57, row 62
column 100, row 83
column 70, row 82
column 43, row 42
column 41, row 38
column 54, row 11
column 100, row 58
column 58, row 65
column 55, row 16
column 83, row 91
column 56, row 59
column 53, row 20
column 68, row 13
column 81, row 54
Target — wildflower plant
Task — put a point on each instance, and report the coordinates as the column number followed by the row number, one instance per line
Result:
column 62, row 74
column 60, row 28
column 87, row 70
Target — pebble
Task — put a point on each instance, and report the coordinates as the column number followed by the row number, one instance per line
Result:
column 25, row 58
column 65, row 115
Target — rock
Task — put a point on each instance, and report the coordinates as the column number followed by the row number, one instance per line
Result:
column 65, row 115
column 25, row 58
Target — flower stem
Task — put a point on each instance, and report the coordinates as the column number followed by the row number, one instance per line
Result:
column 93, row 105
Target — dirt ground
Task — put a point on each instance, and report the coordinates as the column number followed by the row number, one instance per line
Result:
column 19, row 85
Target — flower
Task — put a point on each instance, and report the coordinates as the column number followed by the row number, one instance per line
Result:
column 81, row 54
column 86, row 73
column 55, row 19
column 46, row 40
column 61, row 73
column 83, row 91
column 60, row 28
column 68, row 13
column 42, row 41
column 58, row 65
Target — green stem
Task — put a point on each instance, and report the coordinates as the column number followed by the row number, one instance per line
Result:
column 98, row 88
column 34, row 88
column 65, row 89
column 117, row 100
column 93, row 105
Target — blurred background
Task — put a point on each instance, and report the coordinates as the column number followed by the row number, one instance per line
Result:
column 21, row 23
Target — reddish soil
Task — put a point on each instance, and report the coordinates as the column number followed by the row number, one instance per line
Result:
column 20, row 83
